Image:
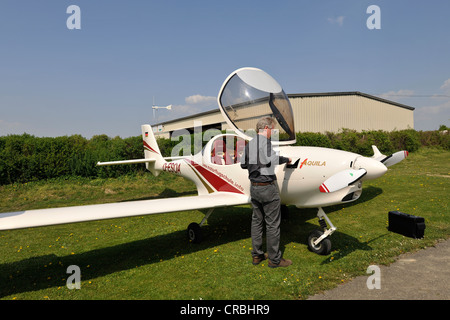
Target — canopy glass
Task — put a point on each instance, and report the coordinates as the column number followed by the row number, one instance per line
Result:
column 249, row 94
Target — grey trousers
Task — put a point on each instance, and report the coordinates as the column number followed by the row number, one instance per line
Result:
column 266, row 208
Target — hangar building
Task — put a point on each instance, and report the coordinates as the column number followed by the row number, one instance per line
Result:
column 316, row 112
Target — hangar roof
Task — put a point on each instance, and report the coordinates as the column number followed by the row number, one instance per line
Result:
column 349, row 93
column 302, row 95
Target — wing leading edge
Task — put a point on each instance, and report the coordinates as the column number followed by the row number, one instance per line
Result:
column 53, row 216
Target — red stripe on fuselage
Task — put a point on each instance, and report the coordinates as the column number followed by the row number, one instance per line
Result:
column 217, row 182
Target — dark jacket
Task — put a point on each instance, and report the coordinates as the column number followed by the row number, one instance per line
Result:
column 260, row 160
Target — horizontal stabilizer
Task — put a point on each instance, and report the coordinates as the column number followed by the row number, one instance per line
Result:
column 111, row 163
column 341, row 180
column 44, row 217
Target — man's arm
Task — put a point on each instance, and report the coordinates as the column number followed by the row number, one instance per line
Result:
column 282, row 160
column 244, row 159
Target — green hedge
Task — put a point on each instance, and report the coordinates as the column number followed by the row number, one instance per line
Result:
column 26, row 158
column 361, row 142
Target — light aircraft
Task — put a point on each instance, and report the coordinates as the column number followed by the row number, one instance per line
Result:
column 316, row 178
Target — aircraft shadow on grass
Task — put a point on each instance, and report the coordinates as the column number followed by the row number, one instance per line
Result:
column 225, row 225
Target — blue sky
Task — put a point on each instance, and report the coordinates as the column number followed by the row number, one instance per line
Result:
column 102, row 78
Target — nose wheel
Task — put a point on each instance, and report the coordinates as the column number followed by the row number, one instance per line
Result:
column 318, row 240
column 323, row 247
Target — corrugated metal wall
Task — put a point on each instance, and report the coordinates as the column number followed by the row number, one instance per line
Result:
column 204, row 119
column 332, row 113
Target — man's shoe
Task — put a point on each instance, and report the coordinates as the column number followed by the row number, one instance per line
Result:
column 283, row 263
column 258, row 259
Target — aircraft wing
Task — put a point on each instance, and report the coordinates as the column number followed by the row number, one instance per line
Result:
column 44, row 217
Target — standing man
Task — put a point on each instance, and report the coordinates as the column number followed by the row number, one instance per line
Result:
column 260, row 160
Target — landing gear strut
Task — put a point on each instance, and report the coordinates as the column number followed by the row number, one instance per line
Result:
column 318, row 241
column 194, row 231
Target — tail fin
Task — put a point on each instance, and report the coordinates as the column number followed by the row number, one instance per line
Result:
column 151, row 150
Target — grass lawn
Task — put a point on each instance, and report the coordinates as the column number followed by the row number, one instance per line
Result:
column 149, row 257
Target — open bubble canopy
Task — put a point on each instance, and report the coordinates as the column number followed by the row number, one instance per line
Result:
column 249, row 94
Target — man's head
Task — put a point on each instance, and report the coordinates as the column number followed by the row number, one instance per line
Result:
column 265, row 126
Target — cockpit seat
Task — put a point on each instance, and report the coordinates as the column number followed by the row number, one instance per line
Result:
column 219, row 153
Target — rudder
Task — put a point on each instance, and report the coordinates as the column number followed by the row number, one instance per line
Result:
column 151, row 150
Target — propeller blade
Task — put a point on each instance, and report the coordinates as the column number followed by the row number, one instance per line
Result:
column 341, row 180
column 377, row 155
column 395, row 158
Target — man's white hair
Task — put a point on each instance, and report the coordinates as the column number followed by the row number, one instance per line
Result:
column 265, row 121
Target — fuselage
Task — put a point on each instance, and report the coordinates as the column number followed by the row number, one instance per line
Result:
column 299, row 184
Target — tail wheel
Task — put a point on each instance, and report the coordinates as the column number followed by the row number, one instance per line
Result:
column 323, row 248
column 194, row 233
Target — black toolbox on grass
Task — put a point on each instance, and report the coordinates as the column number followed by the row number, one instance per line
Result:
column 406, row 224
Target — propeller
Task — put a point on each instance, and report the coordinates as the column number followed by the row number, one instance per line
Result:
column 389, row 160
column 372, row 168
column 395, row 158
column 341, row 180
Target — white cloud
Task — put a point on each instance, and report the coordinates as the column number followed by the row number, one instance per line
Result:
column 443, row 109
column 431, row 111
column 432, row 116
column 194, row 104
column 339, row 20
column 200, row 100
column 446, row 86
column 397, row 94
column 186, row 110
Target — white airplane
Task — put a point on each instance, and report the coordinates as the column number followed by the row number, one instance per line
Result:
column 318, row 177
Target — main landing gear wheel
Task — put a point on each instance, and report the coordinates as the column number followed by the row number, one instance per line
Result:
column 194, row 233
column 324, row 246
column 194, row 230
